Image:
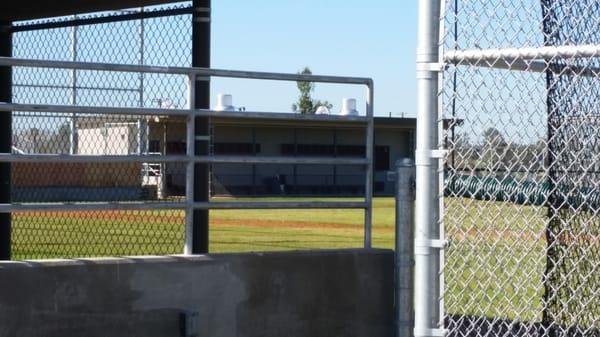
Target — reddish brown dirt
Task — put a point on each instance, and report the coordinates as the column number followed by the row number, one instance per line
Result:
column 488, row 234
column 129, row 216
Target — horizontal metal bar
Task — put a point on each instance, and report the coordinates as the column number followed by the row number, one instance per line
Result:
column 79, row 158
column 534, row 66
column 283, row 205
column 101, row 19
column 110, row 206
column 9, row 61
column 178, row 112
column 282, row 160
column 218, row 159
column 281, row 116
column 93, row 110
column 512, row 54
column 70, row 87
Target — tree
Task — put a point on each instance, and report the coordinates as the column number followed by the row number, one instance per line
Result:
column 494, row 138
column 306, row 104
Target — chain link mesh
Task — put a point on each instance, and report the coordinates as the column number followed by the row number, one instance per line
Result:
column 522, row 178
column 153, row 40
column 522, row 181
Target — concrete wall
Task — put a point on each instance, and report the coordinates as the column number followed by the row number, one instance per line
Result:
column 322, row 293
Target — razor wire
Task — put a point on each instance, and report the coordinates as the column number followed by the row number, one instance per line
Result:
column 153, row 39
column 522, row 175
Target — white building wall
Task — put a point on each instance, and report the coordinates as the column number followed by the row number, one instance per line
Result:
column 109, row 139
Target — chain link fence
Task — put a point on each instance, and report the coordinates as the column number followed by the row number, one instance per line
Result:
column 521, row 179
column 160, row 36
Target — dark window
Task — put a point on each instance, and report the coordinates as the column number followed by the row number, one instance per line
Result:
column 382, row 158
column 176, row 147
column 236, row 148
column 154, row 146
column 287, row 149
column 351, row 150
column 307, row 149
column 323, row 150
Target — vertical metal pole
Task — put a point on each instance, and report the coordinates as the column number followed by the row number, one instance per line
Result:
column 201, row 58
column 163, row 169
column 335, row 148
column 188, row 248
column 295, row 167
column 369, row 173
column 253, row 131
column 142, row 59
column 142, row 126
column 405, row 202
column 73, row 121
column 5, row 139
column 427, row 316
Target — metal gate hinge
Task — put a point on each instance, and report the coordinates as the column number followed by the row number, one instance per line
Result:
column 432, row 243
column 439, row 153
column 435, row 154
column 431, row 66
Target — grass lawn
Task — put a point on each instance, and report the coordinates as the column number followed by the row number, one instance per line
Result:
column 494, row 265
column 80, row 234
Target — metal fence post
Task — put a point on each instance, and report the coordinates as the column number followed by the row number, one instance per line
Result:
column 201, row 58
column 404, row 262
column 369, row 174
column 5, row 140
column 427, row 257
column 190, row 177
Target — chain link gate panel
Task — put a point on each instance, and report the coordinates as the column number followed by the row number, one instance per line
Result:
column 521, row 100
column 158, row 36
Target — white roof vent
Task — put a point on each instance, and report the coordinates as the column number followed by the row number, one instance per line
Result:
column 224, row 103
column 349, row 107
column 322, row 110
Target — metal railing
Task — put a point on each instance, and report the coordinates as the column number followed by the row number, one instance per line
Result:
column 193, row 75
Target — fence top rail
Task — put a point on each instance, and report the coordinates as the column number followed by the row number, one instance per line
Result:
column 9, row 61
column 97, row 110
column 144, row 158
column 125, row 206
column 510, row 54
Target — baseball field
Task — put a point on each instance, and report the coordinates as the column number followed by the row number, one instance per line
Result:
column 474, row 259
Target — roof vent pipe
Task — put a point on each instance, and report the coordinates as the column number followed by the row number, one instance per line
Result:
column 349, row 107
column 224, row 103
column 322, row 110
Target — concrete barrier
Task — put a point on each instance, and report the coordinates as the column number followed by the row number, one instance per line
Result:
column 293, row 294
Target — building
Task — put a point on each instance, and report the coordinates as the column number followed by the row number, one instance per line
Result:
column 394, row 139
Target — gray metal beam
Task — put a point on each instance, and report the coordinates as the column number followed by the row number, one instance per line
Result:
column 5, row 140
column 108, row 206
column 219, row 159
column 92, row 110
column 200, row 91
column 8, row 61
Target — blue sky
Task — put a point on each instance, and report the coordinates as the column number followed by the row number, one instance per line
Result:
column 350, row 37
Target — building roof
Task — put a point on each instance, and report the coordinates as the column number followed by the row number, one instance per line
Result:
column 38, row 9
column 380, row 122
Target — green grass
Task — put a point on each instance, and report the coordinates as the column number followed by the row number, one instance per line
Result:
column 54, row 235
column 494, row 263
